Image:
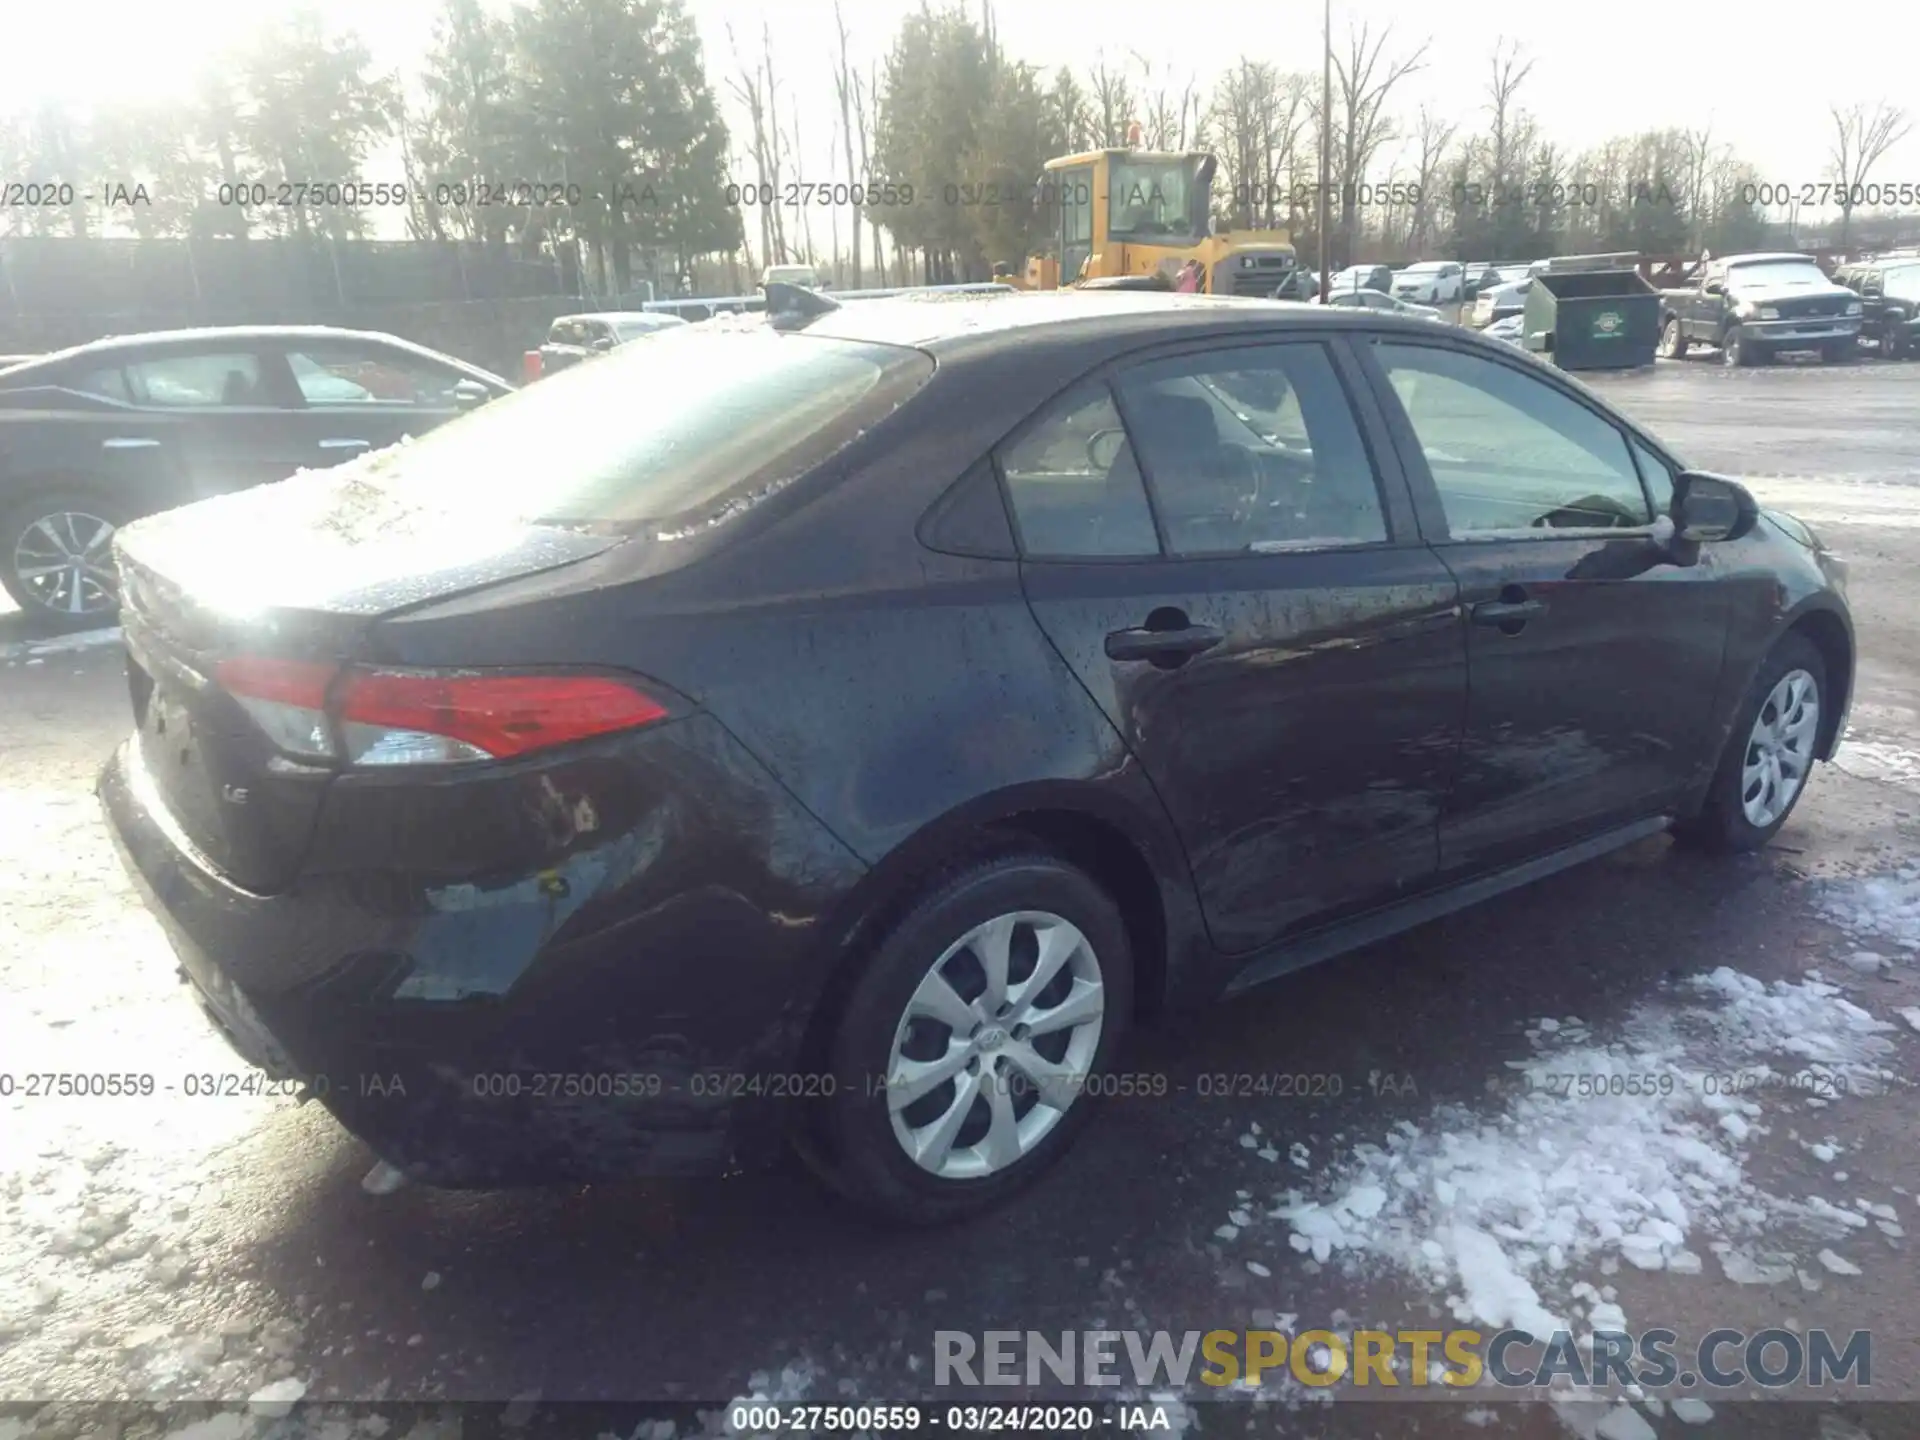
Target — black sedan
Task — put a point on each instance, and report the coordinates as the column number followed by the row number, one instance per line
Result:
column 850, row 746
column 101, row 434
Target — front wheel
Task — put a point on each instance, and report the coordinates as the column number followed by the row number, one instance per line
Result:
column 1673, row 342
column 56, row 559
column 1736, row 349
column 969, row 1052
column 1769, row 754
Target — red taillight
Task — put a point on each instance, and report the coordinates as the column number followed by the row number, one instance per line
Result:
column 411, row 717
column 424, row 717
column 530, row 366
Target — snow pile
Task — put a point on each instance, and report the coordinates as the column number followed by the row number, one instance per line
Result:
column 1602, row 1153
column 1883, row 906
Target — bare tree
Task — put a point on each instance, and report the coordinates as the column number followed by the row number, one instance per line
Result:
column 1861, row 137
column 1502, row 87
column 845, row 83
column 1433, row 138
column 1113, row 103
column 1700, row 165
column 1363, row 78
column 747, row 88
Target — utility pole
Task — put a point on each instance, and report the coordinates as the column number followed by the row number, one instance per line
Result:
column 1326, row 146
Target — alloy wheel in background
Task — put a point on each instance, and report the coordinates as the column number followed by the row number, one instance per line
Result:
column 1780, row 746
column 63, row 564
column 996, row 1044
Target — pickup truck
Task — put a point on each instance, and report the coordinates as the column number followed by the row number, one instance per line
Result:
column 1889, row 291
column 573, row 338
column 1753, row 307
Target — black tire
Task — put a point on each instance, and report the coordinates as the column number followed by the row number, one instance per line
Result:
column 1673, row 340
column 1736, row 349
column 858, row 1152
column 1722, row 825
column 1893, row 341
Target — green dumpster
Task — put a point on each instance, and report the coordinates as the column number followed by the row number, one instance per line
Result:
column 1592, row 319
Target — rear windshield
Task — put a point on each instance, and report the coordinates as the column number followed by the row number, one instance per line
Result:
column 661, row 435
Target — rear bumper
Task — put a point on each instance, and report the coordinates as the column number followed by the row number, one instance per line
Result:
column 501, row 1038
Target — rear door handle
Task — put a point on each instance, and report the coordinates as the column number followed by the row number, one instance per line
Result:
column 129, row 442
column 1505, row 614
column 1162, row 646
column 344, row 444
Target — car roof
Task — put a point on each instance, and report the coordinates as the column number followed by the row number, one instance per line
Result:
column 621, row 317
column 215, row 334
column 1769, row 255
column 945, row 322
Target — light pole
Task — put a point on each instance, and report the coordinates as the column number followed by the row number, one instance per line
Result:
column 1326, row 141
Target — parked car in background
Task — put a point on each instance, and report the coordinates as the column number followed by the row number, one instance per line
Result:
column 1431, row 282
column 1362, row 277
column 1889, row 291
column 1383, row 304
column 1480, row 275
column 849, row 744
column 1510, row 328
column 790, row 275
column 573, row 338
column 1499, row 301
column 1300, row 283
column 1753, row 307
column 101, row 434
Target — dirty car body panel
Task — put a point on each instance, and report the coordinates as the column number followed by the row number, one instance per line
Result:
column 615, row 953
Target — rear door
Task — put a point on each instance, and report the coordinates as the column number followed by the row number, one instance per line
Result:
column 230, row 401
column 1233, row 573
column 1593, row 663
column 359, row 395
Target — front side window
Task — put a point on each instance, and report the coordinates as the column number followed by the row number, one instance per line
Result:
column 357, row 375
column 1510, row 453
column 1074, row 483
column 1252, row 449
column 198, row 381
column 1658, row 476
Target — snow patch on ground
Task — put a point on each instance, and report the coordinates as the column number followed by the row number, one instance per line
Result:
column 60, row 644
column 1883, row 907
column 1638, row 1156
column 1879, row 760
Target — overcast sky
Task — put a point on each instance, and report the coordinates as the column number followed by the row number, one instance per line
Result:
column 1601, row 69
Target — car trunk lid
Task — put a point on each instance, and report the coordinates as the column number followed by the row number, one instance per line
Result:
column 286, row 573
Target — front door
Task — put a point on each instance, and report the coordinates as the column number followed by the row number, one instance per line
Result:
column 1593, row 660
column 354, row 396
column 1073, row 188
column 1243, row 593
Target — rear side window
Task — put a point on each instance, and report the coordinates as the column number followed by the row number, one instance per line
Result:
column 1253, row 448
column 194, row 381
column 662, row 435
column 1075, row 487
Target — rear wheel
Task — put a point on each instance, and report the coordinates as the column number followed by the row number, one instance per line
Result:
column 56, row 559
column 1763, row 771
column 1673, row 342
column 968, row 1053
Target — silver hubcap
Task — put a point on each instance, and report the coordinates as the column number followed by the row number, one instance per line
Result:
column 1780, row 749
column 1667, row 336
column 996, row 1043
column 65, row 562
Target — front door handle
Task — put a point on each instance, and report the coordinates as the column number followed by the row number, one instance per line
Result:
column 1163, row 647
column 129, row 442
column 1510, row 612
column 344, row 444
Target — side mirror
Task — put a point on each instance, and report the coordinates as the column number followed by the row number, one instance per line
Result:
column 471, row 394
column 1709, row 508
column 603, row 344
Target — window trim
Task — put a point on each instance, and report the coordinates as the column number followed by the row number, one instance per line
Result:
column 1428, row 504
